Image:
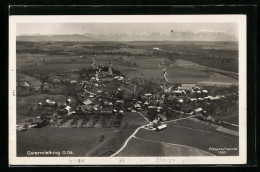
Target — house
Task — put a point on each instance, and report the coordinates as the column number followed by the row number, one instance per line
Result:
column 156, row 123
column 137, row 105
column 120, row 78
column 152, row 107
column 198, row 110
column 177, row 93
column 119, row 101
column 50, row 103
column 87, row 102
column 161, row 127
column 180, row 100
column 68, row 108
column 204, row 91
column 91, row 96
column 148, row 95
column 73, row 81
column 188, row 86
column 68, row 101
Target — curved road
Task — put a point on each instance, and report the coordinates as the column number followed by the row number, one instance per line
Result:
column 165, row 73
column 164, row 70
column 94, row 61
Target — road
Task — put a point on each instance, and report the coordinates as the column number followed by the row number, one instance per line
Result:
column 94, row 61
column 165, row 73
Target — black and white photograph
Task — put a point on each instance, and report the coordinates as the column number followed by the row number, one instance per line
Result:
column 127, row 89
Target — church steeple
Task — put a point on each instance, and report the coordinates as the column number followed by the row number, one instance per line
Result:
column 110, row 68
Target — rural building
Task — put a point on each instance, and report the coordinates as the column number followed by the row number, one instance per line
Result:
column 50, row 103
column 198, row 110
column 161, row 127
column 87, row 102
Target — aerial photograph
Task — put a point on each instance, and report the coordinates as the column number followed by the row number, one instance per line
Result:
column 127, row 89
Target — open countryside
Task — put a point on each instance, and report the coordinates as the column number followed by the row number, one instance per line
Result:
column 136, row 98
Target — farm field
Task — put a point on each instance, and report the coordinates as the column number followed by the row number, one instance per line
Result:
column 82, row 141
column 220, row 55
column 193, row 136
column 129, row 124
column 77, row 140
column 231, row 117
column 131, row 58
column 142, row 147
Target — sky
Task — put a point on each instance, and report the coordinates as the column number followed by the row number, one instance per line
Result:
column 114, row 28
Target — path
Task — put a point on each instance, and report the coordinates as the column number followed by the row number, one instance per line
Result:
column 229, row 123
column 89, row 92
column 178, row 119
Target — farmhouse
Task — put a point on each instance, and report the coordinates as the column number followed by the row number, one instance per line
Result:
column 161, row 127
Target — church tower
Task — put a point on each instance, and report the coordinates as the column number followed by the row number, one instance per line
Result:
column 110, row 67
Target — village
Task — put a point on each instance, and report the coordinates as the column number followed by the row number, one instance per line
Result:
column 100, row 97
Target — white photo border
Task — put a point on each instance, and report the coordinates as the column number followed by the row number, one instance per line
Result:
column 241, row 159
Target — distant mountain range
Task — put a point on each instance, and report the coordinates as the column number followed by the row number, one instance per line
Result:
column 174, row 36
